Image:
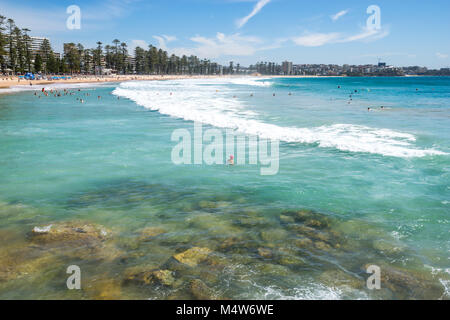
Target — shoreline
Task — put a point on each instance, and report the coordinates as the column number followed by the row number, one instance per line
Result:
column 14, row 81
column 8, row 86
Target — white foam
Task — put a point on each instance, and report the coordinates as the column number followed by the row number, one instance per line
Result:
column 43, row 229
column 209, row 101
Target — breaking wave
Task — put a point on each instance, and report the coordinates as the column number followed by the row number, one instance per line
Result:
column 210, row 102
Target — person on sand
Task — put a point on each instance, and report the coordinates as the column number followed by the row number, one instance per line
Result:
column 231, row 161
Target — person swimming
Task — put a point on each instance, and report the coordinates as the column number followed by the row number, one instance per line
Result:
column 231, row 161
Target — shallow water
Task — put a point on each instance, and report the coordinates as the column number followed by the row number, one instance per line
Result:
column 354, row 188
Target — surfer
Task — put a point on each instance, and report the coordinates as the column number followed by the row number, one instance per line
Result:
column 231, row 161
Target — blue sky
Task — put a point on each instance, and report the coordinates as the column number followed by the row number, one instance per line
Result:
column 412, row 32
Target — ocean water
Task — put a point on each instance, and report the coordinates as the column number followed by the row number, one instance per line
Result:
column 354, row 188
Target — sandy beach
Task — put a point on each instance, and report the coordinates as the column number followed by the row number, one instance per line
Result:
column 12, row 81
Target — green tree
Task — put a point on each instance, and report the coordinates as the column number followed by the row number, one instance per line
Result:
column 46, row 52
column 27, row 47
column 3, row 43
column 37, row 63
column 98, row 53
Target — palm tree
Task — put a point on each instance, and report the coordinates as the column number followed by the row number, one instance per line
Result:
column 98, row 56
column 2, row 43
column 27, row 45
column 124, row 52
column 12, row 49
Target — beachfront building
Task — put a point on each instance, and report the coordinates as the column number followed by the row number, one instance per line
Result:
column 36, row 45
column 287, row 68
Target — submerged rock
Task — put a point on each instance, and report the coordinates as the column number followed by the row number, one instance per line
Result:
column 274, row 235
column 253, row 222
column 388, row 247
column 406, row 284
column 229, row 243
column 288, row 256
column 303, row 243
column 265, row 253
column 272, row 269
column 201, row 291
column 286, row 219
column 208, row 204
column 149, row 233
column 19, row 262
column 105, row 289
column 314, row 223
column 303, row 215
column 193, row 256
column 164, row 277
column 69, row 232
column 322, row 246
column 142, row 275
column 339, row 278
column 76, row 239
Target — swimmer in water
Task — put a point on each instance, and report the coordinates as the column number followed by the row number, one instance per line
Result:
column 231, row 161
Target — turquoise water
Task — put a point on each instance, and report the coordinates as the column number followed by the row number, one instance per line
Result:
column 354, row 188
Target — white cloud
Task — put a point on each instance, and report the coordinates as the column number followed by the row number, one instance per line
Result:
column 219, row 46
column 223, row 45
column 442, row 55
column 163, row 40
column 367, row 34
column 316, row 39
column 137, row 43
column 259, row 5
column 320, row 39
column 338, row 15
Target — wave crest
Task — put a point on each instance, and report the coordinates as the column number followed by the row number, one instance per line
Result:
column 209, row 102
